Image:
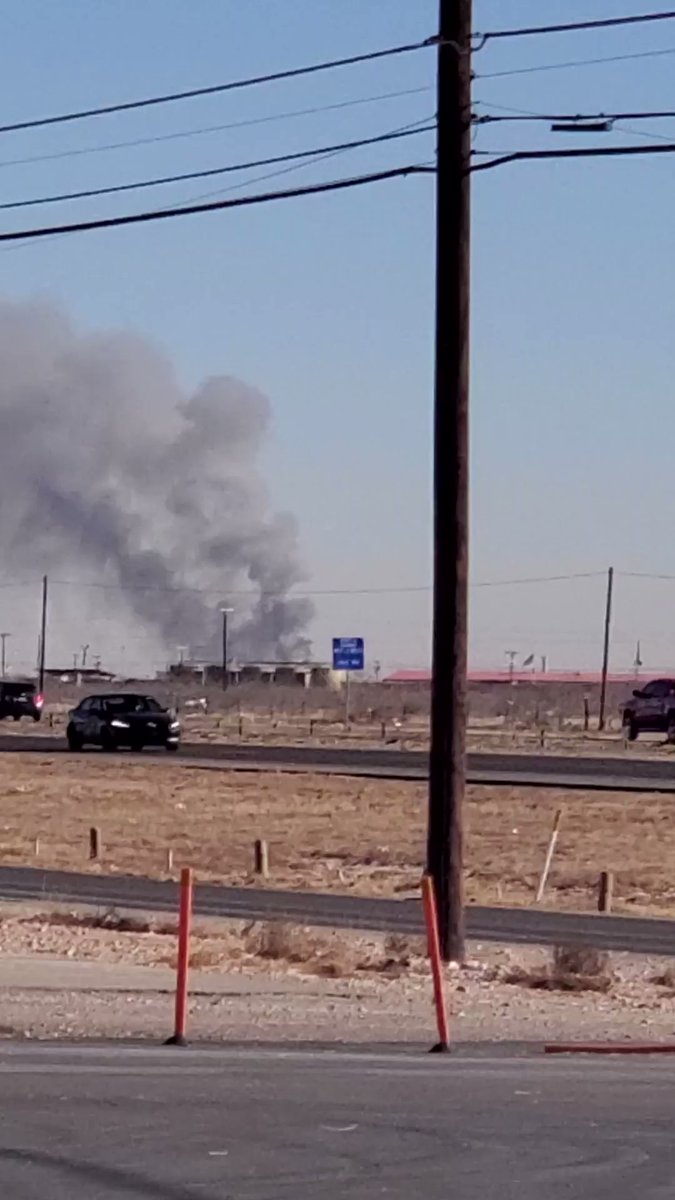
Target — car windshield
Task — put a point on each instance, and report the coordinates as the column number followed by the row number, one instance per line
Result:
column 17, row 689
column 132, row 704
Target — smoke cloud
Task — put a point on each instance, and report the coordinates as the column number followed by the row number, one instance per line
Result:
column 109, row 472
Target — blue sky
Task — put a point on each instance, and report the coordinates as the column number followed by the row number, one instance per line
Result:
column 326, row 304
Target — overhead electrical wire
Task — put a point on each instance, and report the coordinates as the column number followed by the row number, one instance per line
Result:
column 392, row 135
column 317, row 157
column 646, row 575
column 576, row 152
column 334, row 185
column 236, row 187
column 576, row 26
column 577, row 62
column 205, row 129
column 250, row 592
column 365, row 591
column 527, row 115
column 643, row 133
column 217, row 88
column 540, row 579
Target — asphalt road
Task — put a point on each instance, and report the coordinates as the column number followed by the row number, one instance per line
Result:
column 134, row 1124
column 509, row 925
column 525, row 770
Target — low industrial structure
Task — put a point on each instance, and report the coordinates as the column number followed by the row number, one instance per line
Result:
column 280, row 674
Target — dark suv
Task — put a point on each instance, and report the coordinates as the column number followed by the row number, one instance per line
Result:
column 122, row 719
column 651, row 710
column 20, row 699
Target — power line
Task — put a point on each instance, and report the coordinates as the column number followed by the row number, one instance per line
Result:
column 646, row 575
column 644, row 133
column 540, row 579
column 297, row 166
column 527, row 115
column 392, row 135
column 216, row 89
column 247, row 594
column 577, row 152
column 205, row 129
column 254, row 593
column 316, row 593
column 334, row 185
column 575, row 26
column 578, row 62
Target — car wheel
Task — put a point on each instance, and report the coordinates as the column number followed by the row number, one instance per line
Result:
column 16, row 717
column 630, row 728
column 75, row 742
column 171, row 747
column 136, row 747
column 670, row 727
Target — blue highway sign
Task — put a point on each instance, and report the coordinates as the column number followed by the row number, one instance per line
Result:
column 348, row 654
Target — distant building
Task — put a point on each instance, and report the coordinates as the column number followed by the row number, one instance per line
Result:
column 421, row 679
column 293, row 674
column 80, row 675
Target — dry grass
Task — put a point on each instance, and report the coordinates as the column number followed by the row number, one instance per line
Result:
column 665, row 979
column 217, row 944
column 108, row 919
column 362, row 836
column 573, row 968
column 327, row 954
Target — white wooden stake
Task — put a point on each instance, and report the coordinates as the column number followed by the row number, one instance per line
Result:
column 549, row 855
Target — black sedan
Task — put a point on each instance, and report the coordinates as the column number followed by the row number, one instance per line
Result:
column 122, row 719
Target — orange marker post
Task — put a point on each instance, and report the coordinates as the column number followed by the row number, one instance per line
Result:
column 433, row 941
column 182, row 970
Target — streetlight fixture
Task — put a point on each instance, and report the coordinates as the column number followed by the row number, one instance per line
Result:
column 225, row 658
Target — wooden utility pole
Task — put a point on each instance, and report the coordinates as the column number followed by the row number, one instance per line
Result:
column 43, row 638
column 605, row 648
column 224, row 650
column 451, row 480
column 3, row 665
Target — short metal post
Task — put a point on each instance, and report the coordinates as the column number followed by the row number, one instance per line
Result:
column 182, row 970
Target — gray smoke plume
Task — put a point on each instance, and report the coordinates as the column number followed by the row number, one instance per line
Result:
column 109, row 472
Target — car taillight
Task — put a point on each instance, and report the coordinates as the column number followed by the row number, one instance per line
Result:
column 39, row 700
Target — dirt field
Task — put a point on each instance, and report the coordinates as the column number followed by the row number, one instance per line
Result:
column 330, row 833
column 411, row 732
column 524, row 718
column 64, row 977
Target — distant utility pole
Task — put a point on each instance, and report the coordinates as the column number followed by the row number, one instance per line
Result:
column 3, row 653
column 225, row 654
column 447, row 761
column 605, row 648
column 43, row 637
column 511, row 655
